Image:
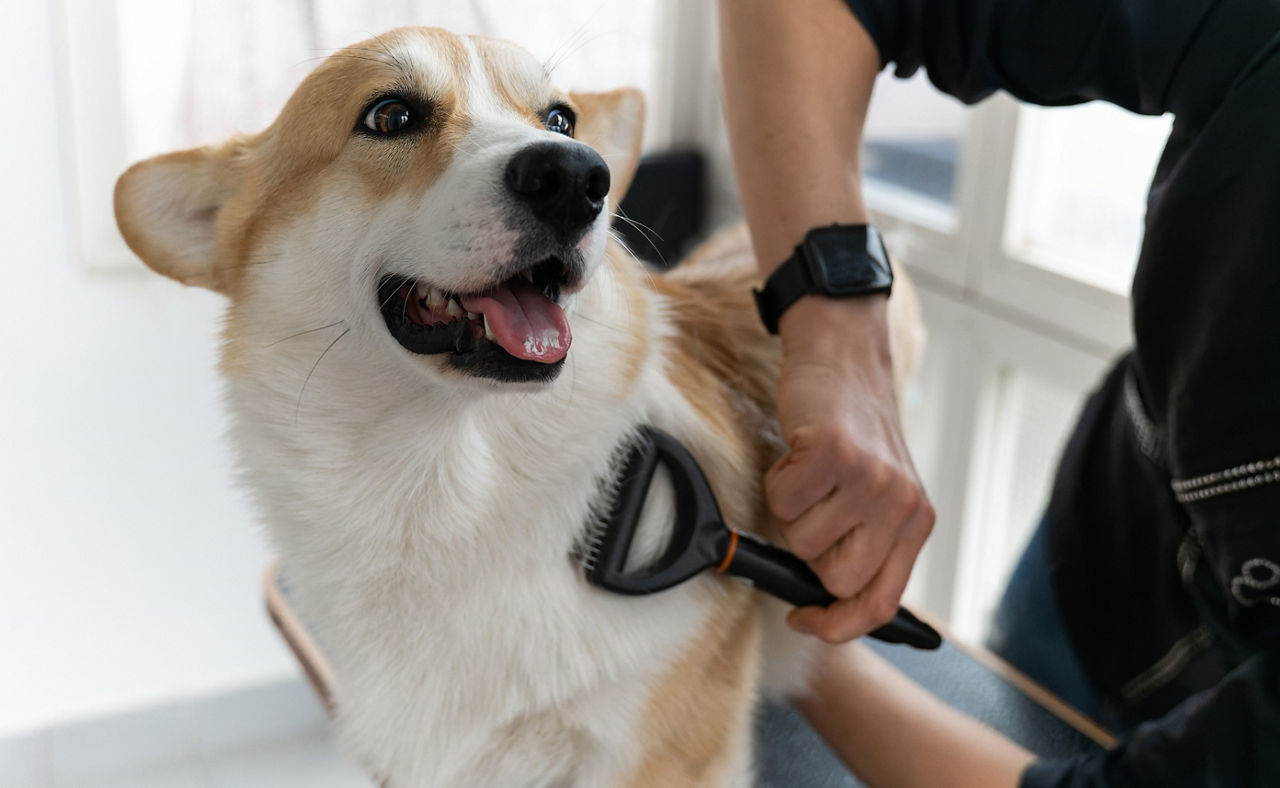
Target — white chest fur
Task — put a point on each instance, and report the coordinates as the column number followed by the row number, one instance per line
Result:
column 429, row 536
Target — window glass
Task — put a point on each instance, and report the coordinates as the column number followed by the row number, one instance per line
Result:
column 911, row 142
column 1031, row 422
column 1079, row 194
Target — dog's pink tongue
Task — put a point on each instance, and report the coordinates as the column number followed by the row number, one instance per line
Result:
column 523, row 321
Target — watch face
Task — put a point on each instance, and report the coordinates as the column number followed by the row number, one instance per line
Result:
column 847, row 260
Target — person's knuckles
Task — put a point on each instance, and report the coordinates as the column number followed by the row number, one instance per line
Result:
column 844, row 452
column 880, row 610
column 843, row 570
column 841, row 579
column 784, row 494
column 877, row 480
column 782, row 503
column 836, row 629
column 905, row 500
column 810, row 537
column 924, row 522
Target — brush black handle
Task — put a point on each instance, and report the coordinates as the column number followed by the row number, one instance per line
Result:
column 777, row 572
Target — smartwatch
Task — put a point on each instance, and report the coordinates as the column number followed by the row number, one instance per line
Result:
column 839, row 261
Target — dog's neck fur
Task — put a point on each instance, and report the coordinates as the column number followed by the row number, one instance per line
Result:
column 418, row 524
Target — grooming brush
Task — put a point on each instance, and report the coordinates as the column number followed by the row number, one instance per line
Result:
column 700, row 540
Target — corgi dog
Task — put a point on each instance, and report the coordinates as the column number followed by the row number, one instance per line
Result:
column 433, row 352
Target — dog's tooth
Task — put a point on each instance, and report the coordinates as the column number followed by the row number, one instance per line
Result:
column 472, row 316
column 528, row 275
column 435, row 298
column 454, row 309
column 488, row 333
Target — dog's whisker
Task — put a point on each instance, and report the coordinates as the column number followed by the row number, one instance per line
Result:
column 387, row 300
column 622, row 242
column 581, row 43
column 551, row 63
column 348, row 56
column 644, row 233
column 248, row 263
column 590, row 319
column 307, row 380
column 641, row 226
column 395, row 58
column 301, row 333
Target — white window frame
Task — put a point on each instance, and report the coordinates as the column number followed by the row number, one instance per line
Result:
column 90, row 78
column 991, row 298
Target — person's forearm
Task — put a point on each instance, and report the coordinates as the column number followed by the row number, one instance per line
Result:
column 798, row 78
column 847, row 498
column 894, row 734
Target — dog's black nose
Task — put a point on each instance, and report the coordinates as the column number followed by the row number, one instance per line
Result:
column 563, row 184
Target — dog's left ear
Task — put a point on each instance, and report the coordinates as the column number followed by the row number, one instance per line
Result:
column 613, row 124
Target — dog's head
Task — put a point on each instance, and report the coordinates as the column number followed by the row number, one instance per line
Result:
column 432, row 192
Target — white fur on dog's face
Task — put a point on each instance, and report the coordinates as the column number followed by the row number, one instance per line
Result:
column 334, row 209
column 465, row 228
column 461, row 231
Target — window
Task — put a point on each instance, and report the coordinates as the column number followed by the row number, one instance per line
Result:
column 1080, row 191
column 1024, row 274
column 911, row 146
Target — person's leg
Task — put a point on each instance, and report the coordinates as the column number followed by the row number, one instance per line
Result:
column 1027, row 631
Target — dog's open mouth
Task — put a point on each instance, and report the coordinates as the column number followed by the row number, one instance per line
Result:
column 515, row 330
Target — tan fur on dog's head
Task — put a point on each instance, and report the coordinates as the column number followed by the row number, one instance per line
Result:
column 324, row 209
column 194, row 215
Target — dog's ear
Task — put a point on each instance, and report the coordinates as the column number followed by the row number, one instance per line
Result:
column 613, row 124
column 167, row 209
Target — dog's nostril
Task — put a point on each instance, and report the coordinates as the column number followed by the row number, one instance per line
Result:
column 531, row 176
column 598, row 183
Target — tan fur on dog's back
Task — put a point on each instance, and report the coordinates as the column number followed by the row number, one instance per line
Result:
column 726, row 365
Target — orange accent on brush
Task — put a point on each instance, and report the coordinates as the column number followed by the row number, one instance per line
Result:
column 728, row 556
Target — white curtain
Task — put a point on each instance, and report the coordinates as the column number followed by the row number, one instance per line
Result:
column 194, row 71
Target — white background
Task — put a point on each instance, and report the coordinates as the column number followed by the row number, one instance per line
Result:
column 128, row 563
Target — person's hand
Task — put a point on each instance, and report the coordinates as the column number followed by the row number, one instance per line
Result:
column 847, row 496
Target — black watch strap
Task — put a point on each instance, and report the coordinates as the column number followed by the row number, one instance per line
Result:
column 839, row 261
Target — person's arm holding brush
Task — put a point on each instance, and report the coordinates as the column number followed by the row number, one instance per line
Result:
column 798, row 79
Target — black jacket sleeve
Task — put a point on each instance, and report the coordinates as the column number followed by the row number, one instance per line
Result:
column 1048, row 52
column 1221, row 738
column 1206, row 308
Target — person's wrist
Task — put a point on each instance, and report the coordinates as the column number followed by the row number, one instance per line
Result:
column 822, row 326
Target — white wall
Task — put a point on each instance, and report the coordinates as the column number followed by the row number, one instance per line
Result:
column 129, row 565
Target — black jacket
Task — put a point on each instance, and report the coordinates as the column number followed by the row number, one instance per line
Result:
column 1164, row 523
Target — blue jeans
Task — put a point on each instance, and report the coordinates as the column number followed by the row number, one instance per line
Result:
column 1028, row 633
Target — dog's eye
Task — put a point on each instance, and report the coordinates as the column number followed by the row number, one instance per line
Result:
column 560, row 121
column 389, row 116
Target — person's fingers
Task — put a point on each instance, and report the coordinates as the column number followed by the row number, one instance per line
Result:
column 852, row 556
column 852, row 561
column 798, row 480
column 852, row 617
column 820, row 527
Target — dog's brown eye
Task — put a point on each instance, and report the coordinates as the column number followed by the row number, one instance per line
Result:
column 389, row 116
column 560, row 121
